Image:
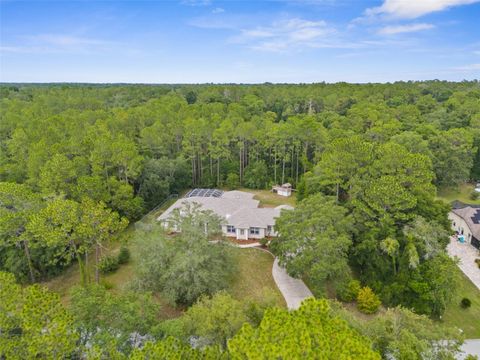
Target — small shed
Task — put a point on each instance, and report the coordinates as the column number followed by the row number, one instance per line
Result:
column 283, row 190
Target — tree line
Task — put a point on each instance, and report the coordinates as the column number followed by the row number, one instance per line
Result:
column 129, row 147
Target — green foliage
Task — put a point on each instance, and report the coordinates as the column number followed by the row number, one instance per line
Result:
column 403, row 334
column 367, row 301
column 107, row 319
column 312, row 331
column 123, row 255
column 474, row 195
column 256, row 175
column 318, row 233
column 33, row 322
column 233, row 181
column 185, row 266
column 465, row 303
column 348, row 291
column 108, row 264
column 215, row 320
column 378, row 149
column 172, row 348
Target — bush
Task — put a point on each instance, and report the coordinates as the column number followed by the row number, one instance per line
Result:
column 474, row 195
column 348, row 292
column 367, row 301
column 477, row 261
column 123, row 255
column 233, row 181
column 256, row 175
column 465, row 303
column 108, row 264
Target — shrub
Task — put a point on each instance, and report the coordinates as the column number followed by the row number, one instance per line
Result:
column 367, row 301
column 474, row 195
column 123, row 255
column 233, row 181
column 108, row 264
column 348, row 292
column 465, row 303
column 477, row 261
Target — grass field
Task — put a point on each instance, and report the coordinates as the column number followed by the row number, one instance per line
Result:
column 254, row 276
column 270, row 199
column 462, row 193
column 466, row 319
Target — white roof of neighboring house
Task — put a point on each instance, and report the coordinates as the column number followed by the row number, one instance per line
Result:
column 471, row 215
column 238, row 208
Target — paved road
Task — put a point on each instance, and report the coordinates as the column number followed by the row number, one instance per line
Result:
column 467, row 255
column 293, row 290
column 470, row 347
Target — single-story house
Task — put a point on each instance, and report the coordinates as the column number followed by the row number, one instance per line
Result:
column 243, row 218
column 466, row 223
column 283, row 190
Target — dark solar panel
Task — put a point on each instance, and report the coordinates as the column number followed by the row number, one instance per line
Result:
column 476, row 217
column 204, row 193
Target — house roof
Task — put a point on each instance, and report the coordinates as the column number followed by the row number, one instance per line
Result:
column 471, row 215
column 238, row 208
column 260, row 217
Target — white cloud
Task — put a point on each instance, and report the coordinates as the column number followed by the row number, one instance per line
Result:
column 285, row 35
column 57, row 43
column 400, row 29
column 410, row 9
column 468, row 68
column 196, row 2
column 64, row 40
column 218, row 10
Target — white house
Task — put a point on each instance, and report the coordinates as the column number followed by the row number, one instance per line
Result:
column 243, row 218
column 466, row 223
column 284, row 190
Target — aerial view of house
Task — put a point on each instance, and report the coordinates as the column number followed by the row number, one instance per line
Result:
column 466, row 223
column 243, row 218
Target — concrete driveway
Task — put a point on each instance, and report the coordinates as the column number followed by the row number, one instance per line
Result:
column 467, row 255
column 470, row 347
column 293, row 290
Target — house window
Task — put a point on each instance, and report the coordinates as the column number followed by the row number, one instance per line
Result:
column 230, row 229
column 269, row 228
column 254, row 231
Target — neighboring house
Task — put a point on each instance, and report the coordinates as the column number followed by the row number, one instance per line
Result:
column 284, row 190
column 243, row 218
column 466, row 222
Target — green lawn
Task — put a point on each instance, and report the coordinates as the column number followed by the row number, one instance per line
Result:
column 466, row 319
column 462, row 193
column 268, row 198
column 253, row 278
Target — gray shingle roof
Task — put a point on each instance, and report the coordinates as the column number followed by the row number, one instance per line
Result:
column 470, row 215
column 238, row 208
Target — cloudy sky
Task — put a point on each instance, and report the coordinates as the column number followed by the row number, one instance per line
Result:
column 191, row 41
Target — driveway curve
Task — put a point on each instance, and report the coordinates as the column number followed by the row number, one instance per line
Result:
column 294, row 291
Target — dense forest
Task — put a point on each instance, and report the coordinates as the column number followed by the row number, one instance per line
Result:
column 78, row 163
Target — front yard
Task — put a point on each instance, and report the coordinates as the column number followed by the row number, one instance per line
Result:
column 466, row 319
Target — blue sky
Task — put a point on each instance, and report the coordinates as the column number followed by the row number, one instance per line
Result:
column 192, row 41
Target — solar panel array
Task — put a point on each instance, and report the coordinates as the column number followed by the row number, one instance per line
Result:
column 476, row 217
column 205, row 193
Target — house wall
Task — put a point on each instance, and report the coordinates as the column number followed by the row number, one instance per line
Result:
column 458, row 224
column 284, row 192
column 261, row 234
